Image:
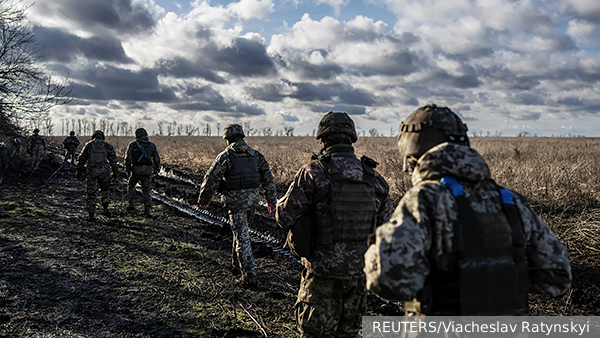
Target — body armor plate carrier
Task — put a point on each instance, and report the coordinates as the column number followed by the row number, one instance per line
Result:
column 243, row 174
column 352, row 203
column 97, row 152
column 490, row 274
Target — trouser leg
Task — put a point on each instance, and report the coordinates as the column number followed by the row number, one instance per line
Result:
column 328, row 307
column 242, row 249
column 133, row 179
column 146, row 189
column 91, row 184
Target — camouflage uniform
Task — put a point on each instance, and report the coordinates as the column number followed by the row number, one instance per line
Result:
column 239, row 203
column 35, row 145
column 98, row 172
column 70, row 144
column 331, row 298
column 416, row 241
column 139, row 168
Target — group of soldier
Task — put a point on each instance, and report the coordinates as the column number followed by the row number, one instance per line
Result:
column 456, row 244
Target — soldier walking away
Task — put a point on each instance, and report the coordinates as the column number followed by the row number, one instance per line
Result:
column 141, row 162
column 237, row 173
column 70, row 144
column 97, row 158
column 458, row 243
column 345, row 199
column 35, row 145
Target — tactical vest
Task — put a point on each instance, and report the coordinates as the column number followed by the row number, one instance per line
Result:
column 490, row 276
column 352, row 203
column 243, row 174
column 97, row 152
column 138, row 155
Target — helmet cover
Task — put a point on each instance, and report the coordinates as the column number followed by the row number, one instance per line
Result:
column 336, row 123
column 429, row 126
column 233, row 130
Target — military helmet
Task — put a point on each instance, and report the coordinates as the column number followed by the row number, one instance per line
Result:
column 336, row 123
column 233, row 130
column 140, row 132
column 36, row 130
column 72, row 133
column 427, row 127
column 98, row 134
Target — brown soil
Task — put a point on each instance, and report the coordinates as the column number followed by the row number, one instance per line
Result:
column 167, row 276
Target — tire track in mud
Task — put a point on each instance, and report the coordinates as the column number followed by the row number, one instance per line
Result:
column 256, row 235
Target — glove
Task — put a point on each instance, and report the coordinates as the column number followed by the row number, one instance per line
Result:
column 271, row 207
column 205, row 207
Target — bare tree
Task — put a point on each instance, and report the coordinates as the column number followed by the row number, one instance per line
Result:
column 288, row 130
column 170, row 129
column 267, row 131
column 179, row 129
column 218, row 126
column 93, row 125
column 28, row 91
column 207, row 130
column 159, row 126
column 48, row 126
column 373, row 132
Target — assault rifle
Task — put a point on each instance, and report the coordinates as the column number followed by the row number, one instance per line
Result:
column 145, row 154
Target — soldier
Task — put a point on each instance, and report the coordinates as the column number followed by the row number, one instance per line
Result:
column 99, row 157
column 70, row 144
column 141, row 162
column 346, row 199
column 237, row 173
column 457, row 243
column 35, row 145
column 9, row 152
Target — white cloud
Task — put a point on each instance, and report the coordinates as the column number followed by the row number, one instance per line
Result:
column 580, row 30
column 335, row 4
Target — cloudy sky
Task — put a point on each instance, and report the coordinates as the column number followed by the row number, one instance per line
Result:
column 502, row 65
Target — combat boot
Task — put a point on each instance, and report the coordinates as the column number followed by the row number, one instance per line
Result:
column 91, row 217
column 105, row 212
column 249, row 282
column 147, row 212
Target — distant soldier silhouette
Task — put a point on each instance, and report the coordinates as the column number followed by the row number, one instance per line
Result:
column 237, row 173
column 97, row 159
column 141, row 162
column 36, row 144
column 70, row 144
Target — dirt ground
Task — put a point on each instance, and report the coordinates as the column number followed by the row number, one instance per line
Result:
column 167, row 276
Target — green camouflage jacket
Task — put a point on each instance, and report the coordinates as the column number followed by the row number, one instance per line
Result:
column 342, row 260
column 410, row 245
column 243, row 199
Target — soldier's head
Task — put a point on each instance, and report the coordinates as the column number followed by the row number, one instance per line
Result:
column 72, row 133
column 233, row 131
column 36, row 131
column 336, row 128
column 427, row 127
column 140, row 132
column 98, row 135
